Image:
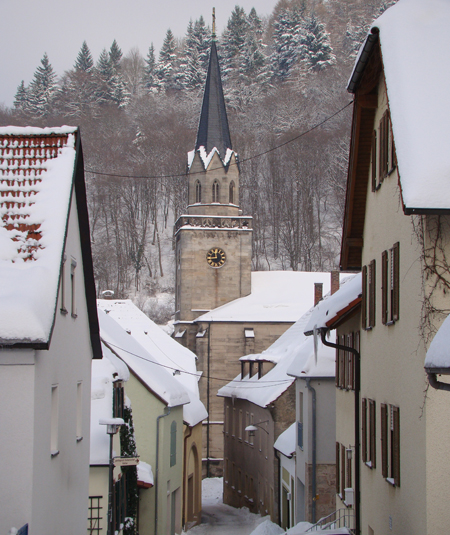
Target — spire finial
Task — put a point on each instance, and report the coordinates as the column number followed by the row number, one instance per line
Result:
column 214, row 24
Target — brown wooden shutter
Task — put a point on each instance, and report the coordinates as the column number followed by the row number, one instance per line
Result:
column 345, row 363
column 384, row 146
column 350, row 378
column 384, row 440
column 372, row 422
column 384, row 286
column 396, row 446
column 338, row 469
column 337, row 371
column 374, row 160
column 342, row 363
column 349, row 473
column 343, row 458
column 364, row 430
column 396, row 282
column 364, row 298
column 372, row 293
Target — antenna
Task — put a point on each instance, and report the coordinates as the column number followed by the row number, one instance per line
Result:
column 214, row 24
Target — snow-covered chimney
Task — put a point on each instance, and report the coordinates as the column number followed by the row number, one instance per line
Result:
column 334, row 281
column 318, row 292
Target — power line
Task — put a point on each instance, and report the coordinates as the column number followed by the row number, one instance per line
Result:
column 276, row 147
column 237, row 384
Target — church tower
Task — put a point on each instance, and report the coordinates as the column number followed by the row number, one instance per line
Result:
column 213, row 241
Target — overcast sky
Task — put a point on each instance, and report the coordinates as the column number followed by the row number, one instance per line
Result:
column 29, row 28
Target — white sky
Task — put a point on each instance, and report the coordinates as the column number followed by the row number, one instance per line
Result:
column 29, row 28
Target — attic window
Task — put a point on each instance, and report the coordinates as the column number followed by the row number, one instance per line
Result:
column 200, row 334
column 249, row 333
column 180, row 334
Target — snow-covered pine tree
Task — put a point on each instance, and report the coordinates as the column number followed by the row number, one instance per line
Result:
column 119, row 93
column 202, row 39
column 151, row 81
column 253, row 59
column 21, row 97
column 232, row 43
column 194, row 76
column 315, row 45
column 42, row 90
column 287, row 30
column 104, row 75
column 166, row 69
column 84, row 61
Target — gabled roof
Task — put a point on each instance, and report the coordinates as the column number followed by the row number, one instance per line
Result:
column 409, row 42
column 163, row 349
column 438, row 354
column 39, row 169
column 286, row 442
column 149, row 371
column 276, row 297
column 213, row 130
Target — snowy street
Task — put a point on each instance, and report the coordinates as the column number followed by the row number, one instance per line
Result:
column 221, row 519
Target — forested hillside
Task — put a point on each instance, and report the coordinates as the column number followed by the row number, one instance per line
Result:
column 283, row 77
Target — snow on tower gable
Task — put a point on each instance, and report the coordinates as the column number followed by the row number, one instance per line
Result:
column 213, row 131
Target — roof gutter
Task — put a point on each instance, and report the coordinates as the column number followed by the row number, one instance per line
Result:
column 432, row 379
column 363, row 59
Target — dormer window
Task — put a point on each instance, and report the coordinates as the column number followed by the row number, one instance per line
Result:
column 231, row 189
column 215, row 191
column 198, row 191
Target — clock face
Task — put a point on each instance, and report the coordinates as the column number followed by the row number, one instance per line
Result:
column 216, row 257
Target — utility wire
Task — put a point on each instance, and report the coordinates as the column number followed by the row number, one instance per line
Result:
column 276, row 147
column 236, row 381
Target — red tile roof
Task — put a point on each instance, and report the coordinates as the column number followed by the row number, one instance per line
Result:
column 23, row 159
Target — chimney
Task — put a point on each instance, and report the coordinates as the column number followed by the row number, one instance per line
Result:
column 318, row 290
column 334, row 281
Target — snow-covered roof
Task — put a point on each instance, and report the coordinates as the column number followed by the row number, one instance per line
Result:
column 207, row 157
column 149, row 370
column 413, row 38
column 163, row 349
column 286, row 442
column 333, row 306
column 101, row 402
column 277, row 296
column 438, row 354
column 37, row 167
column 144, row 474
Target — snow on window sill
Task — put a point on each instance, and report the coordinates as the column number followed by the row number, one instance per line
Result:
column 64, row 311
column 391, row 481
column 389, row 323
column 74, row 316
column 369, row 464
column 54, row 453
column 79, row 439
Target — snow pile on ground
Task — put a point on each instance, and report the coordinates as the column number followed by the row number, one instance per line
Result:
column 212, row 491
column 267, row 527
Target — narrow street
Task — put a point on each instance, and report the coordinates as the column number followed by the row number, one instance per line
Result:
column 221, row 519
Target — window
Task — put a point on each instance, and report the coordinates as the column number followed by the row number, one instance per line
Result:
column 368, row 296
column 343, row 463
column 383, row 159
column 390, row 443
column 345, row 363
column 173, row 443
column 247, row 423
column 368, row 432
column 231, row 190
column 198, row 192
column 79, row 411
column 233, row 423
column 300, row 421
column 227, row 420
column 54, row 421
column 350, row 364
column 390, row 285
column 95, row 515
column 63, row 308
column 118, row 400
column 73, row 265
column 250, row 438
column 215, row 191
column 338, row 468
column 239, row 435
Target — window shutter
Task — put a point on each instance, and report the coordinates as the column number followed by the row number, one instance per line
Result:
column 384, row 286
column 299, row 434
column 396, row 276
column 396, row 446
column 350, row 356
column 373, row 444
column 343, row 457
column 342, row 362
column 364, row 298
column 384, row 443
column 374, row 160
column 173, row 444
column 372, row 294
column 338, row 468
column 337, row 372
column 364, row 430
column 349, row 473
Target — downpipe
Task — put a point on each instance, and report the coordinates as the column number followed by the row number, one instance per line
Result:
column 325, row 342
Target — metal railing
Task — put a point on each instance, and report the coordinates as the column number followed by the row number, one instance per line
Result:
column 342, row 518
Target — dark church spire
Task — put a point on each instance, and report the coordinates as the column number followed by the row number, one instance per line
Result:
column 213, row 129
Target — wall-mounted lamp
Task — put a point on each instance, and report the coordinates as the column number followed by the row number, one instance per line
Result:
column 251, row 429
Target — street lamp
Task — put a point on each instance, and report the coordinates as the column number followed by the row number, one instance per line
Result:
column 254, row 427
column 112, row 426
